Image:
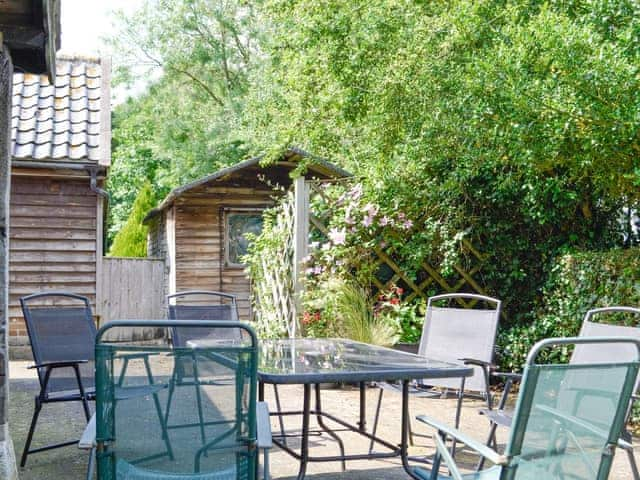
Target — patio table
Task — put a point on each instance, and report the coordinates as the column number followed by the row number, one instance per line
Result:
column 311, row 362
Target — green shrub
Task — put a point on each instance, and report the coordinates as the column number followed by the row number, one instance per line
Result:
column 352, row 313
column 578, row 282
column 407, row 318
column 131, row 240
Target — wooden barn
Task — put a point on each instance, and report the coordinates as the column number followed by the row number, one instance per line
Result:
column 61, row 150
column 199, row 227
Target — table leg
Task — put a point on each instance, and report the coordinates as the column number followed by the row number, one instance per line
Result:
column 324, row 427
column 261, row 391
column 304, row 440
column 404, row 437
column 363, row 407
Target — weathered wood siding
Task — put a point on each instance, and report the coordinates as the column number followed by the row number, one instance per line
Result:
column 53, row 241
column 200, row 241
column 132, row 289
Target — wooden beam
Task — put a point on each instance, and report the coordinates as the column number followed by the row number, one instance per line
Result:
column 300, row 241
column 23, row 38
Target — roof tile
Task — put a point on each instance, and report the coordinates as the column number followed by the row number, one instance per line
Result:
column 63, row 121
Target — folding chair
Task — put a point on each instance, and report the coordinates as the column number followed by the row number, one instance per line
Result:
column 581, row 354
column 456, row 335
column 125, row 437
column 560, row 430
column 62, row 335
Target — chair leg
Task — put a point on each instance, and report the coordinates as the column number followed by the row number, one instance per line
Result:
column 32, row 428
column 83, row 396
column 156, row 402
column 376, row 418
column 169, row 398
column 91, row 465
column 196, row 381
column 265, row 465
column 633, row 465
column 491, row 439
column 200, row 414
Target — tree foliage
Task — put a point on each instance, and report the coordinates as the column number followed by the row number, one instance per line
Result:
column 193, row 60
column 514, row 123
column 131, row 240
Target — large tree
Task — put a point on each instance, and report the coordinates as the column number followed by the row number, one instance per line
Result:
column 191, row 59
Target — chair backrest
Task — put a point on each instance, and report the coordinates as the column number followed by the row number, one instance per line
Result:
column 61, row 328
column 554, row 435
column 136, row 436
column 452, row 333
column 201, row 305
column 585, row 353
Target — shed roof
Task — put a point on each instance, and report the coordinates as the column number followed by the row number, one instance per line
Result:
column 317, row 165
column 68, row 122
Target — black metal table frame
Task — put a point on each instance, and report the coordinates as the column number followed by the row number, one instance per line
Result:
column 304, row 458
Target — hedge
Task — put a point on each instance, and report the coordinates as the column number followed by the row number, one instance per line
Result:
column 577, row 283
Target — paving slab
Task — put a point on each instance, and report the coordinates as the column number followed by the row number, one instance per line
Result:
column 61, row 421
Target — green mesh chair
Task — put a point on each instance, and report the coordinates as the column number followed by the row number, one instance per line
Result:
column 130, row 444
column 560, row 430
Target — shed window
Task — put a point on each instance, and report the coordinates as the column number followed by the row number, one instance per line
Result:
column 238, row 225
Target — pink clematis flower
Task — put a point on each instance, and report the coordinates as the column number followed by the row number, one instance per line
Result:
column 338, row 237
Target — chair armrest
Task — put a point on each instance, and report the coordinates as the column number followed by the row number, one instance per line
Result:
column 58, row 364
column 131, row 356
column 472, row 443
column 478, row 363
column 514, row 377
column 264, row 425
column 88, row 439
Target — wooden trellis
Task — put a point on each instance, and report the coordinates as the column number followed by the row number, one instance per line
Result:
column 427, row 281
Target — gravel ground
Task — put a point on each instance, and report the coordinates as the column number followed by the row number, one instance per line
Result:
column 63, row 421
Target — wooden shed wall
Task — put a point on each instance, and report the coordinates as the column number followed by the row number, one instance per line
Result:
column 199, row 236
column 53, row 241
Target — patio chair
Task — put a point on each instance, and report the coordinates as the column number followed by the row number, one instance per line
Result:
column 62, row 334
column 199, row 305
column 556, row 433
column 503, row 417
column 455, row 335
column 125, row 438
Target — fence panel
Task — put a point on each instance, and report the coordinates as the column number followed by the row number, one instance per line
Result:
column 131, row 288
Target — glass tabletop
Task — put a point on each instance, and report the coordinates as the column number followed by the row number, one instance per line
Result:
column 320, row 360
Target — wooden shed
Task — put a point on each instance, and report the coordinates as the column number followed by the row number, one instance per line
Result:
column 61, row 149
column 199, row 227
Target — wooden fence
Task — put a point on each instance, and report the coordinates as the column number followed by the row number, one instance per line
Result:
column 131, row 289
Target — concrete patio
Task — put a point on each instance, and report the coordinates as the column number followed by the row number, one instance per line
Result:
column 64, row 421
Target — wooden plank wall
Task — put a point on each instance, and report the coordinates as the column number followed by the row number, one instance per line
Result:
column 132, row 289
column 53, row 242
column 199, row 237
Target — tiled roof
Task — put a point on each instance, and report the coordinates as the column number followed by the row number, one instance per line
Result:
column 69, row 122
